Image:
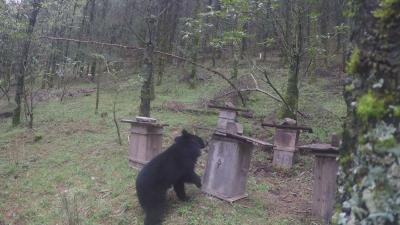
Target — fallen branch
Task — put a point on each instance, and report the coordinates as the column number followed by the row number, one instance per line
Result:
column 158, row 52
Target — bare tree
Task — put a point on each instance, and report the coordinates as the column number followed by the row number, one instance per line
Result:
column 148, row 66
column 36, row 5
column 292, row 44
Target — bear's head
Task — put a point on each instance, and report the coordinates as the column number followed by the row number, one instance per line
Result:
column 191, row 139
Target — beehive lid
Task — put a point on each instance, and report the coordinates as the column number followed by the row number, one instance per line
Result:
column 245, row 139
column 145, row 121
column 320, row 148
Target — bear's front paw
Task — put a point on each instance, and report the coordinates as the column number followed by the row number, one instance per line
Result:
column 198, row 184
column 184, row 199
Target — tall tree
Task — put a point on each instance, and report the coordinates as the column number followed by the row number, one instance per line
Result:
column 166, row 31
column 195, row 46
column 324, row 20
column 148, row 64
column 370, row 154
column 36, row 5
column 291, row 42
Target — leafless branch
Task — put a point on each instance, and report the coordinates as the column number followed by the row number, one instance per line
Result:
column 253, row 90
column 254, row 79
column 308, row 67
column 92, row 42
column 268, row 81
column 276, row 90
column 164, row 10
column 158, row 52
column 279, row 31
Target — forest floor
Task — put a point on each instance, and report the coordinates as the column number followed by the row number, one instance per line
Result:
column 71, row 162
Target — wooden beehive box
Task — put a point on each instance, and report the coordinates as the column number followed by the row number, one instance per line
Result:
column 285, row 141
column 145, row 141
column 228, row 163
column 227, row 120
column 325, row 173
column 324, row 186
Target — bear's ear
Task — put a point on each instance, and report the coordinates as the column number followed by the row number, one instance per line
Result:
column 185, row 133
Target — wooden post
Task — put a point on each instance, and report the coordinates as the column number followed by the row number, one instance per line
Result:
column 145, row 141
column 228, row 164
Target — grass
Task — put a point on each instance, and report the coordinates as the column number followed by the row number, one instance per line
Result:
column 72, row 158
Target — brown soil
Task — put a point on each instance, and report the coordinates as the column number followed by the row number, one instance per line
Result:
column 290, row 191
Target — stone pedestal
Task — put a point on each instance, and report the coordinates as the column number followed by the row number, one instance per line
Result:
column 228, row 164
column 145, row 141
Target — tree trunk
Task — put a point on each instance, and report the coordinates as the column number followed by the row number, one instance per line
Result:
column 195, row 48
column 79, row 57
column 145, row 95
column 36, row 5
column 147, row 91
column 48, row 77
column 71, row 24
column 97, row 77
column 235, row 66
column 369, row 181
column 292, row 91
column 339, row 21
column 243, row 48
column 323, row 28
column 166, row 33
column 288, row 19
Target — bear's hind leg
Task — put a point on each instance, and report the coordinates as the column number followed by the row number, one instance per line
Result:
column 179, row 188
column 154, row 207
column 154, row 215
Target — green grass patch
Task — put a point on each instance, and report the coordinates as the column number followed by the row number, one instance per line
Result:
column 74, row 152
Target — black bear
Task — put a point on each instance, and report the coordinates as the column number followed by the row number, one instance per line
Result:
column 174, row 167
